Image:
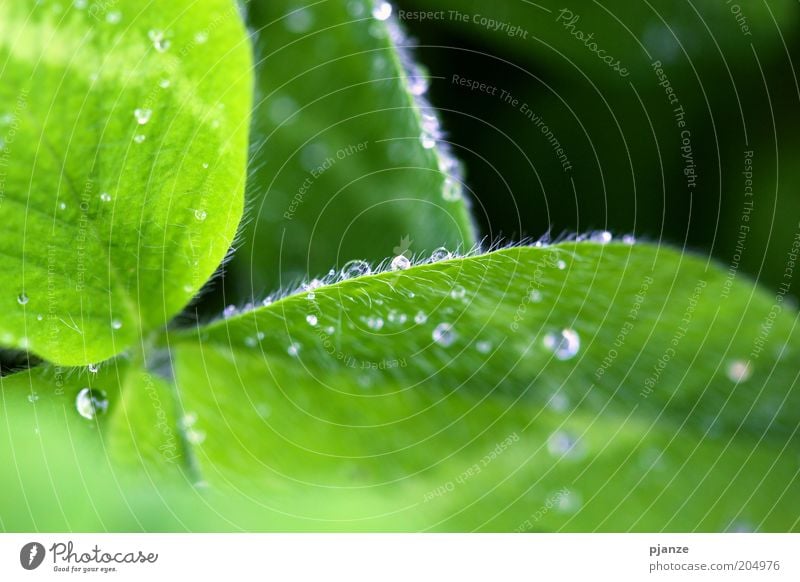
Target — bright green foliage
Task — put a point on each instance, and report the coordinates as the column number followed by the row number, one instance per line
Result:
column 123, row 134
column 638, row 382
column 344, row 161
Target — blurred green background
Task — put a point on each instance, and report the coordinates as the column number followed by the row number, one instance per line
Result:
column 730, row 66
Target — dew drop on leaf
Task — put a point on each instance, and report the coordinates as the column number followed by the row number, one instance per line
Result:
column 569, row 502
column 374, row 323
column 535, row 296
column 93, row 368
column 139, row 138
column 33, row 397
column 382, row 10
column 483, row 346
column 440, row 254
column 311, row 319
column 114, row 17
column 603, row 237
column 355, row 268
column 400, row 263
column 420, row 317
column 105, row 197
column 116, row 324
column 160, row 42
column 739, row 371
column 142, row 115
column 444, row 335
column 201, row 37
column 397, row 317
column 561, row 444
column 458, row 292
column 427, row 140
column 200, row 215
column 22, row 299
column 293, row 349
column 91, row 403
column 564, row 344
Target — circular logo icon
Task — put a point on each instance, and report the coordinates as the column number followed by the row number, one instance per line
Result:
column 31, row 555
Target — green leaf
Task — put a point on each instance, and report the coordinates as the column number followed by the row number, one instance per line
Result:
column 339, row 170
column 583, row 386
column 124, row 143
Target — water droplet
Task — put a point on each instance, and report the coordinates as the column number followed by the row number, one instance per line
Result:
column 205, row 165
column 559, row 402
column 458, row 292
column 374, row 322
column 420, row 318
column 267, row 301
column 330, row 330
column 397, row 317
column 116, row 324
column 629, row 239
column 40, row 317
column 355, row 268
column 93, row 368
column 535, row 296
column 105, row 197
column 142, row 115
column 400, row 263
column 62, row 205
column 139, row 138
column 114, row 17
column 312, row 319
column 382, row 10
column 739, row 371
column 80, row 4
column 260, row 336
column 201, row 37
column 159, row 40
column 299, row 21
column 427, row 140
column 91, row 403
column 483, row 346
column 564, row 344
column 200, row 215
column 22, row 299
column 33, row 397
column 451, row 190
column 195, row 436
column 444, row 335
column 603, row 237
column 164, row 83
column 569, row 502
column 561, row 265
column 561, row 443
column 293, row 349
column 440, row 254
column 229, row 311
column 250, row 342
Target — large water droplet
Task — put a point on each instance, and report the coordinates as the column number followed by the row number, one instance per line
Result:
column 400, row 263
column 142, row 115
column 355, row 268
column 444, row 335
column 564, row 344
column 91, row 403
column 382, row 10
column 22, row 299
